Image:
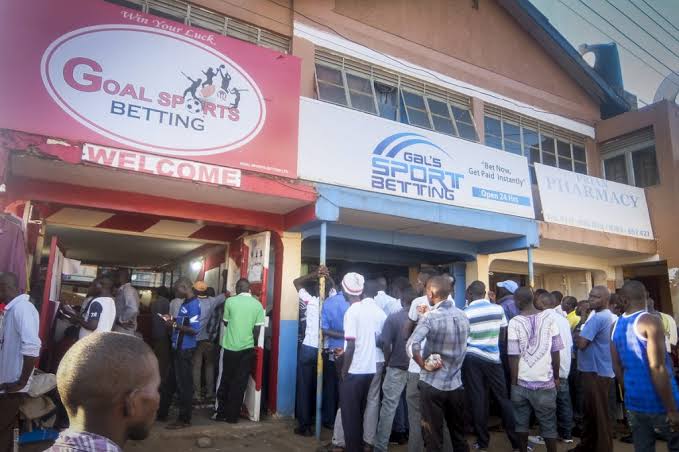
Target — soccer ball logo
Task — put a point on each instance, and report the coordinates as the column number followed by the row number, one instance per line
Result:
column 193, row 105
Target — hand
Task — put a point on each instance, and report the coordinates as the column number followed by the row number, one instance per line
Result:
column 323, row 271
column 557, row 383
column 492, row 296
column 68, row 311
column 12, row 387
column 423, row 309
column 673, row 420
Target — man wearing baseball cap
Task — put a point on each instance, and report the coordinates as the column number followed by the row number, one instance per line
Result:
column 505, row 297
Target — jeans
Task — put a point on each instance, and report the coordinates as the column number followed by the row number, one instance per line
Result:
column 306, row 386
column 182, row 383
column 204, row 353
column 395, row 381
column 438, row 406
column 564, row 410
column 643, row 427
column 543, row 402
column 330, row 392
column 400, row 424
column 372, row 408
column 480, row 377
column 232, row 381
column 353, row 400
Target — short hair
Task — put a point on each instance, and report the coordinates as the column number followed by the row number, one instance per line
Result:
column 428, row 273
column 569, row 302
column 539, row 292
column 184, row 281
column 634, row 291
column 100, row 369
column 551, row 299
column 477, row 289
column 558, row 295
column 106, row 281
column 370, row 288
column 440, row 286
column 523, row 297
column 242, row 286
column 10, row 277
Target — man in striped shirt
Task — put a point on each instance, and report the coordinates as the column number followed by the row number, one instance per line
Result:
column 482, row 367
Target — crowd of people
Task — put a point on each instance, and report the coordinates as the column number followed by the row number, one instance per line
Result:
column 403, row 364
column 189, row 335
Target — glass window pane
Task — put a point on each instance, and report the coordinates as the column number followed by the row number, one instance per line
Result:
column 360, row 84
column 467, row 131
column 534, row 154
column 443, row 125
column 548, row 159
column 492, row 126
column 615, row 169
column 513, row 147
column 580, row 167
column 387, row 100
column 362, row 102
column 418, row 118
column 563, row 148
column 512, row 131
column 461, row 114
column 493, row 141
column 533, row 177
column 547, row 144
column 438, row 108
column 645, row 167
column 565, row 163
column 331, row 93
column 413, row 100
column 579, row 153
column 328, row 74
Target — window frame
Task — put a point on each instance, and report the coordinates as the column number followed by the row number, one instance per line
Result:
column 629, row 162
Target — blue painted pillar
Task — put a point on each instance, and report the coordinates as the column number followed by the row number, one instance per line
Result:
column 531, row 271
column 460, row 274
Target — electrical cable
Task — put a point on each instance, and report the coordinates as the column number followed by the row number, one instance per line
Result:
column 660, row 14
column 654, row 21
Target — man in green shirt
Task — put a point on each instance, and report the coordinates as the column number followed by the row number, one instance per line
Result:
column 243, row 318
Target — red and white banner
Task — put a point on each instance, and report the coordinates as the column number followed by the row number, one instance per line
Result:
column 161, row 166
column 91, row 71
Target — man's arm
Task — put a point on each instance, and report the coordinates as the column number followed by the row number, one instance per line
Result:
column 587, row 334
column 30, row 346
column 385, row 340
column 415, row 342
column 348, row 356
column 514, row 369
column 299, row 282
column 617, row 367
column 651, row 327
column 29, row 363
column 556, row 364
column 333, row 333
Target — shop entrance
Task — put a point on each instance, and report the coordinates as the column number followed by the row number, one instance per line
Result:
column 77, row 245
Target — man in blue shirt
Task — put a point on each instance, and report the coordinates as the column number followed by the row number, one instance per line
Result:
column 332, row 324
column 185, row 327
column 596, row 373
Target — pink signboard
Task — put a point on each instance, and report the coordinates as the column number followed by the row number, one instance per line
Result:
column 90, row 71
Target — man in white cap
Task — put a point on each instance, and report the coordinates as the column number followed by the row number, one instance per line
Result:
column 362, row 323
column 505, row 297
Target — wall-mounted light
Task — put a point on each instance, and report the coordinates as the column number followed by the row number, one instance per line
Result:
column 196, row 265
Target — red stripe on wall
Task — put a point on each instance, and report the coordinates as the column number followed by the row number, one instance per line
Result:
column 218, row 233
column 128, row 222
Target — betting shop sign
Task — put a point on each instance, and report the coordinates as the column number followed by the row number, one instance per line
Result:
column 398, row 159
column 94, row 72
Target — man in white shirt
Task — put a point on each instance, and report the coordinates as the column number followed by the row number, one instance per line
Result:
column 387, row 303
column 564, row 409
column 19, row 352
column 99, row 313
column 362, row 323
column 127, row 304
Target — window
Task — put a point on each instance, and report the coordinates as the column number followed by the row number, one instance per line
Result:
column 372, row 89
column 538, row 142
column 630, row 159
column 183, row 12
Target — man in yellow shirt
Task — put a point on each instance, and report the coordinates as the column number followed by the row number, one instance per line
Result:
column 568, row 305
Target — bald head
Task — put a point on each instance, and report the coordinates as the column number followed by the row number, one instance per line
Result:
column 599, row 298
column 438, row 289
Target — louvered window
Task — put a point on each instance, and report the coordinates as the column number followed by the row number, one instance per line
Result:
column 630, row 159
column 375, row 90
column 537, row 141
column 195, row 16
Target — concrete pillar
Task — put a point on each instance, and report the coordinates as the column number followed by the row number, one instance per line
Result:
column 287, row 346
column 673, row 274
column 460, row 275
column 478, row 270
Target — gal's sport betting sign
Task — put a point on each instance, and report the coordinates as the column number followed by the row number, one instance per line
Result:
column 343, row 147
column 94, row 72
column 592, row 203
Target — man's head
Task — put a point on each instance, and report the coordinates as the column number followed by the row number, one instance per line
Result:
column 599, row 297
column 112, row 377
column 398, row 285
column 9, row 287
column 200, row 289
column 558, row 295
column 381, row 283
column 422, row 279
column 523, row 296
column 545, row 300
column 370, row 289
column 568, row 304
column 634, row 296
column 650, row 305
column 451, row 280
column 538, row 292
column 407, row 296
column 242, row 286
column 352, row 286
column 616, row 305
column 476, row 291
column 438, row 289
column 122, row 276
column 163, row 292
column 104, row 285
column 183, row 288
column 505, row 288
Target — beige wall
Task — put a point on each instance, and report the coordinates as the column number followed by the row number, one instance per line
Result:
column 663, row 199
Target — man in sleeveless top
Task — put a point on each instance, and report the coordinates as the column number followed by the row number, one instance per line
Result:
column 643, row 365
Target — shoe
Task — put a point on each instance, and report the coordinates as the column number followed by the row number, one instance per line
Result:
column 567, row 440
column 303, row 431
column 177, row 425
column 536, row 440
column 399, row 438
column 476, row 446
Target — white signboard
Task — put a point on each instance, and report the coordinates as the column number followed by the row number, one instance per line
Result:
column 344, row 147
column 592, row 203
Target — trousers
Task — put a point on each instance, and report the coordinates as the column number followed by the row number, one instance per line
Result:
column 353, row 400
column 415, row 440
column 204, row 355
column 438, row 407
column 306, row 386
column 644, row 427
column 395, row 381
column 232, row 383
column 9, row 412
column 596, row 428
column 182, row 384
